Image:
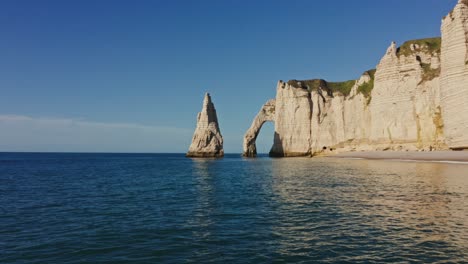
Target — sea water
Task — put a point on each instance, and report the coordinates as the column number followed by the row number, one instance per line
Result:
column 165, row 208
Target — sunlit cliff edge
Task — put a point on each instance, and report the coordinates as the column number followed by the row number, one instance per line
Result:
column 415, row 99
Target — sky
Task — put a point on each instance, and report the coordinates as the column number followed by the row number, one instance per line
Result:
column 130, row 76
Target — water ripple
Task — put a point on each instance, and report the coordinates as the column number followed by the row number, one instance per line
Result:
column 142, row 208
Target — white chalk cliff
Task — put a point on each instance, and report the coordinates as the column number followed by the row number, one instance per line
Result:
column 415, row 99
column 207, row 141
column 266, row 113
column 454, row 76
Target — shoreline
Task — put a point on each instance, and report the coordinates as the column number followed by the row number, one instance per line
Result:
column 433, row 156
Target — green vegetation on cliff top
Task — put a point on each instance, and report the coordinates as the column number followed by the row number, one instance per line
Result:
column 331, row 87
column 427, row 45
column 343, row 88
column 366, row 88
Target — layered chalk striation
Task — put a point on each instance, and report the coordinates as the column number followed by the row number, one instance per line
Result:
column 454, row 76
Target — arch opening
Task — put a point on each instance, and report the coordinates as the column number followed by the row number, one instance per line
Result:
column 266, row 114
column 265, row 138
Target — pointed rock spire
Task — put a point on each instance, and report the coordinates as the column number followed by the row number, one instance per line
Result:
column 392, row 49
column 207, row 141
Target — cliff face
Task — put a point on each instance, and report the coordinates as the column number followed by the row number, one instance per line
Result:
column 292, row 122
column 405, row 104
column 399, row 111
column 207, row 140
column 454, row 76
column 340, row 121
column 416, row 99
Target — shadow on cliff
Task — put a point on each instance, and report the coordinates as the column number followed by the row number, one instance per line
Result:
column 277, row 150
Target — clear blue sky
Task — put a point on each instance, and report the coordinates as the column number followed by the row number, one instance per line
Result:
column 129, row 76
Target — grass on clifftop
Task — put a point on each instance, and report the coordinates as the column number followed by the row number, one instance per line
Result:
column 343, row 88
column 311, row 85
column 331, row 87
column 366, row 88
column 427, row 45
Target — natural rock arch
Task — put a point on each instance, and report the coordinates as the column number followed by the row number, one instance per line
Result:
column 267, row 113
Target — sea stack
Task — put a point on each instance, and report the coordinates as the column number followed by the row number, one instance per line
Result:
column 207, row 141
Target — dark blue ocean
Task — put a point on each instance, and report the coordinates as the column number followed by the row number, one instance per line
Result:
column 165, row 208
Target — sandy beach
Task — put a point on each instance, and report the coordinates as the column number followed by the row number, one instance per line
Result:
column 435, row 156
